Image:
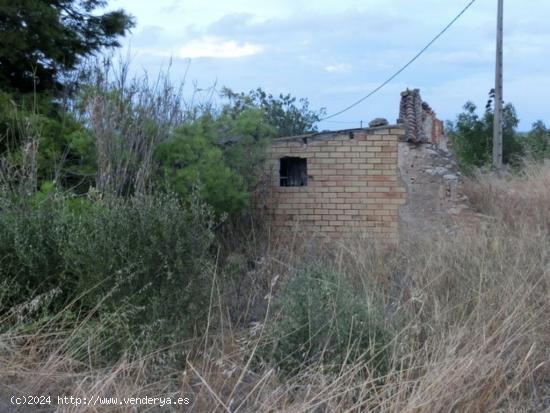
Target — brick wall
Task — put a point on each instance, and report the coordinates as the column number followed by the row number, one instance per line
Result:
column 353, row 183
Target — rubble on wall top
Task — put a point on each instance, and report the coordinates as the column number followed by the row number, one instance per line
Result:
column 324, row 134
column 378, row 122
column 415, row 116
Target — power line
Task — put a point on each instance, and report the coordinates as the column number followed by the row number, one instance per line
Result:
column 406, row 65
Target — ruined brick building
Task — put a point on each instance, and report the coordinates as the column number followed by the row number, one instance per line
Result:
column 382, row 179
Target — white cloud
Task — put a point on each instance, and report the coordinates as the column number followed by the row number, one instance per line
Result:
column 338, row 68
column 212, row 47
column 218, row 48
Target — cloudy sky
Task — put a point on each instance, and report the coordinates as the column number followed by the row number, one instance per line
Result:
column 334, row 52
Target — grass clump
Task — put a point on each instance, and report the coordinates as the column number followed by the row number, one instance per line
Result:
column 322, row 319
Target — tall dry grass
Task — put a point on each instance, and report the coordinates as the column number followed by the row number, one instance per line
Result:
column 515, row 200
column 468, row 311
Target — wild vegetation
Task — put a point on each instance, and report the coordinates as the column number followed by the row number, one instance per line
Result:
column 135, row 260
column 440, row 321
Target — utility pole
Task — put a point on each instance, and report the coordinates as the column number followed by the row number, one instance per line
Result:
column 497, row 127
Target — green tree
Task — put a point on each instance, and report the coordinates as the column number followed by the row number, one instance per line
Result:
column 191, row 161
column 244, row 141
column 222, row 157
column 43, row 39
column 288, row 115
column 65, row 153
column 472, row 136
column 537, row 141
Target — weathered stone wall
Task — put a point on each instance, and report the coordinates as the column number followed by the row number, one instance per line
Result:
column 427, row 168
column 353, row 183
column 431, row 178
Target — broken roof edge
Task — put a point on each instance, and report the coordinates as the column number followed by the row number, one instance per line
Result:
column 314, row 135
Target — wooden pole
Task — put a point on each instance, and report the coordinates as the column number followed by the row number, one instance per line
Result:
column 497, row 128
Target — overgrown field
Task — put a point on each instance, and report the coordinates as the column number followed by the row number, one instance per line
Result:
column 137, row 265
column 445, row 322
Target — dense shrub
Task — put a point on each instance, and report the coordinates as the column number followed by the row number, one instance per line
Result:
column 321, row 318
column 244, row 139
column 145, row 258
column 189, row 161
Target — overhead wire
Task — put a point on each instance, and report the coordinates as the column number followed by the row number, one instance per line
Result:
column 411, row 61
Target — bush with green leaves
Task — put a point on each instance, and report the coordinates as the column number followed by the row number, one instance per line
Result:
column 220, row 157
column 189, row 161
column 244, row 140
column 322, row 318
column 146, row 259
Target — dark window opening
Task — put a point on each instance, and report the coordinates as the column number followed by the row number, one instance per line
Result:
column 293, row 172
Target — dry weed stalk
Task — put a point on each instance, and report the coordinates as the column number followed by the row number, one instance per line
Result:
column 20, row 176
column 129, row 116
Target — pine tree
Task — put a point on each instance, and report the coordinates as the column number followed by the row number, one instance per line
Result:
column 43, row 39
